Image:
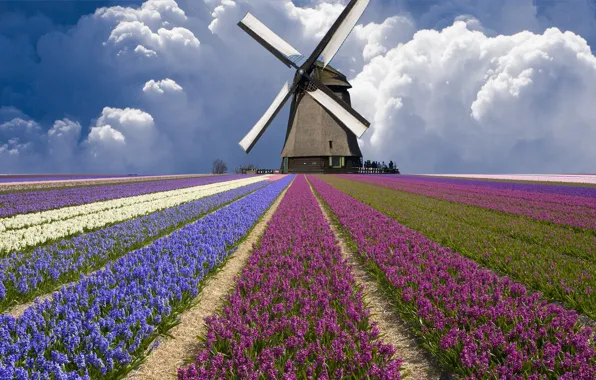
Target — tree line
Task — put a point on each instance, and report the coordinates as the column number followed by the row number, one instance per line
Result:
column 379, row 165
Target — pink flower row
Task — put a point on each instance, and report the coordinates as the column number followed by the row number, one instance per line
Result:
column 295, row 311
column 479, row 324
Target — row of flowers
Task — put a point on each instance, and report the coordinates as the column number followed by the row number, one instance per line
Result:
column 101, row 326
column 479, row 324
column 77, row 219
column 296, row 311
column 21, row 221
column 554, row 260
column 4, row 178
column 24, row 275
column 574, row 189
column 555, row 208
column 23, row 202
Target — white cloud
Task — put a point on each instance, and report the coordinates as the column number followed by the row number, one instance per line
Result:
column 457, row 100
column 153, row 13
column 65, row 128
column 184, row 84
column 161, row 87
column 105, row 134
column 317, row 20
column 174, row 46
column 218, row 12
column 124, row 140
column 63, row 144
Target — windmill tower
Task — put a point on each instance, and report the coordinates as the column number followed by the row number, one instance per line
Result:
column 323, row 128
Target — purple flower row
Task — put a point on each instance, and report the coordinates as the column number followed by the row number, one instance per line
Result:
column 26, row 275
column 35, row 201
column 579, row 191
column 57, row 177
column 101, row 326
column 295, row 311
column 560, row 209
column 480, row 324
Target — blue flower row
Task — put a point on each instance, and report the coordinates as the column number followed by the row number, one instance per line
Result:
column 101, row 326
column 23, row 276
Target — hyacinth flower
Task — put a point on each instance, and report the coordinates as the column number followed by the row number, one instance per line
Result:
column 100, row 327
column 569, row 188
column 23, row 232
column 575, row 211
column 24, row 275
column 557, row 261
column 479, row 324
column 24, row 202
column 296, row 311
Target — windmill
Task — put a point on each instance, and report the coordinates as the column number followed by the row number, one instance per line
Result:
column 323, row 128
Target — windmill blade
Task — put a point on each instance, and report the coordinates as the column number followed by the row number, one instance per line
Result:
column 271, row 41
column 346, row 114
column 338, row 33
column 257, row 131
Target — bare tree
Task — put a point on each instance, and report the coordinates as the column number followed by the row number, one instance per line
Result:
column 219, row 167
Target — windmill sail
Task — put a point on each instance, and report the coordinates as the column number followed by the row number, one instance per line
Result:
column 271, row 41
column 337, row 34
column 343, row 31
column 346, row 114
column 322, row 126
column 257, row 131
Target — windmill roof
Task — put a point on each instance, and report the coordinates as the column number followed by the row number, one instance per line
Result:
column 330, row 76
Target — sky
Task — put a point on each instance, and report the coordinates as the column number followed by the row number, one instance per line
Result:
column 167, row 86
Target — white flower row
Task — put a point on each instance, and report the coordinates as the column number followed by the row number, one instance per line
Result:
column 32, row 219
column 99, row 216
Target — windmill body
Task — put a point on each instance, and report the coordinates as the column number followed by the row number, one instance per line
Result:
column 323, row 128
column 316, row 141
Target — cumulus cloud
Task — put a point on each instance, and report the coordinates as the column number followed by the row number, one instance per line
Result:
column 169, row 85
column 19, row 141
column 63, row 147
column 316, row 20
column 125, row 140
column 459, row 101
column 161, row 87
column 218, row 13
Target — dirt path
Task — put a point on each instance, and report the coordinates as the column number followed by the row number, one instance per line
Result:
column 171, row 354
column 18, row 310
column 417, row 362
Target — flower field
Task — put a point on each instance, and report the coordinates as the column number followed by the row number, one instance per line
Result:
column 490, row 278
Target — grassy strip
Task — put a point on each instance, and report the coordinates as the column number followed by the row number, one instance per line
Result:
column 575, row 212
column 545, row 259
column 474, row 322
column 566, row 240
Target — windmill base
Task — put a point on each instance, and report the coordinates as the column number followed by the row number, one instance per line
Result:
column 321, row 164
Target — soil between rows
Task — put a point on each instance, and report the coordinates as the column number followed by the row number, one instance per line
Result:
column 417, row 362
column 172, row 353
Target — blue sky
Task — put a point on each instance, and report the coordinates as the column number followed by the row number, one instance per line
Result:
column 164, row 86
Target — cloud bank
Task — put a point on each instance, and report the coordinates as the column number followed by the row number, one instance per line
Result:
column 167, row 86
column 458, row 101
